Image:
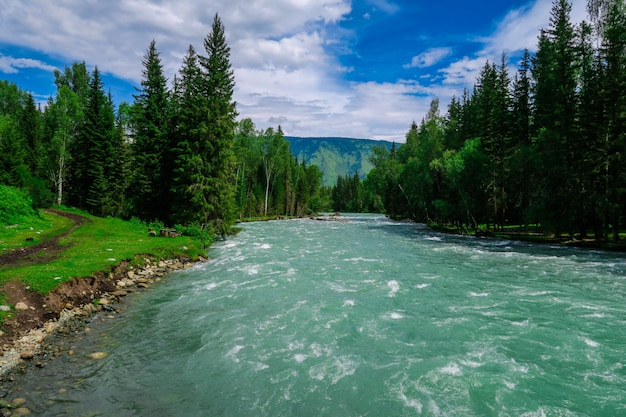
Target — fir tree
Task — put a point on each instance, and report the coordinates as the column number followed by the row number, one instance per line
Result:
column 151, row 145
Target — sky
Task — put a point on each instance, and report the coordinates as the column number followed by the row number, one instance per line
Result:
column 318, row 68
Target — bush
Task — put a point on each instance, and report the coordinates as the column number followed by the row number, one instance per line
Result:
column 15, row 205
column 193, row 230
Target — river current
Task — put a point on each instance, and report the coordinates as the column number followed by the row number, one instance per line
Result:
column 364, row 317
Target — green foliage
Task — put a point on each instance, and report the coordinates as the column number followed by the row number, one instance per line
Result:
column 544, row 147
column 15, row 205
column 203, row 235
column 270, row 181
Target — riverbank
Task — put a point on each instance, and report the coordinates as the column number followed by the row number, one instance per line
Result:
column 39, row 345
column 540, row 238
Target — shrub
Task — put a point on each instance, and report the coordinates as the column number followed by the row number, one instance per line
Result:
column 194, row 230
column 15, row 205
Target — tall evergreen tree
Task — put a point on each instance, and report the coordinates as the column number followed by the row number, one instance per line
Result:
column 151, row 144
column 215, row 189
column 555, row 69
column 93, row 154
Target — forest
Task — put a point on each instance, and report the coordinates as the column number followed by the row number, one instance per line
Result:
column 541, row 147
column 175, row 155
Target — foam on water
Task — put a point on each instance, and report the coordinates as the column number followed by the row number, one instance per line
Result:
column 394, row 287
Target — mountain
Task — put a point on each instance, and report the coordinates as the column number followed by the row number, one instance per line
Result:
column 336, row 156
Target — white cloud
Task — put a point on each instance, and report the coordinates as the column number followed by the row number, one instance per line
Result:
column 428, row 58
column 385, row 6
column 517, row 31
column 10, row 65
column 284, row 70
column 520, row 28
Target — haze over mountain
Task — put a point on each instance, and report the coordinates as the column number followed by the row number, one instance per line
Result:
column 336, row 156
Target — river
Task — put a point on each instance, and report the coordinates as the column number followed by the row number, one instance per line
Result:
column 365, row 317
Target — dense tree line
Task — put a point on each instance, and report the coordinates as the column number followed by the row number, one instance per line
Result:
column 270, row 180
column 542, row 146
column 175, row 155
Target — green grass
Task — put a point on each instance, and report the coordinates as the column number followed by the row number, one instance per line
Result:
column 39, row 228
column 95, row 246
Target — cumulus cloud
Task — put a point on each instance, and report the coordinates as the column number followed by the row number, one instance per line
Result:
column 285, row 56
column 428, row 58
column 10, row 65
column 520, row 27
column 517, row 31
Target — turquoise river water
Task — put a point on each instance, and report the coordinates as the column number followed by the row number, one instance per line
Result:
column 366, row 317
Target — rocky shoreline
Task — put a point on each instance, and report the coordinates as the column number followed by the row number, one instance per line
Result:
column 38, row 345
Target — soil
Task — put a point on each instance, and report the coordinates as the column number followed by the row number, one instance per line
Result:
column 45, row 251
column 43, row 308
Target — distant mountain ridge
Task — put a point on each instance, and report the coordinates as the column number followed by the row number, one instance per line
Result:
column 336, row 156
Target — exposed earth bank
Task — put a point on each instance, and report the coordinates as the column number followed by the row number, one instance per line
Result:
column 25, row 338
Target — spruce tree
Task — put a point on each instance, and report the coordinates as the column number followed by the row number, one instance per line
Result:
column 555, row 69
column 216, row 190
column 93, row 154
column 151, row 144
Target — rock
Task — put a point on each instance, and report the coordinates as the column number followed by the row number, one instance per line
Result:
column 161, row 264
column 120, row 293
column 131, row 274
column 18, row 402
column 104, row 301
column 27, row 355
column 143, row 285
column 97, row 355
column 49, row 327
column 21, row 306
column 5, row 308
column 120, row 284
column 22, row 411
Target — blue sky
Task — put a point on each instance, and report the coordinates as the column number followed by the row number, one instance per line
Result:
column 362, row 68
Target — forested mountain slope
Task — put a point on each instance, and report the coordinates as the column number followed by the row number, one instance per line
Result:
column 336, row 156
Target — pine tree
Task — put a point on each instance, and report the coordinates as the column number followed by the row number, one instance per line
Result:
column 554, row 70
column 613, row 55
column 520, row 158
column 93, row 154
column 216, row 185
column 151, row 145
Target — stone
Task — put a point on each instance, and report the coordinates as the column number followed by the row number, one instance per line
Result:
column 21, row 306
column 104, row 301
column 131, row 274
column 120, row 284
column 5, row 308
column 120, row 293
column 22, row 411
column 97, row 355
column 27, row 355
column 18, row 402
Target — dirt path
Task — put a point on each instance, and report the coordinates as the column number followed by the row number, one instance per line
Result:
column 45, row 251
column 15, row 290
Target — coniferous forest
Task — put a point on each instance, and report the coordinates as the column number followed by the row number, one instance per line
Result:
column 540, row 146
column 175, row 155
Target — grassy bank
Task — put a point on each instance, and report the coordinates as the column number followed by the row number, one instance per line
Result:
column 95, row 245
